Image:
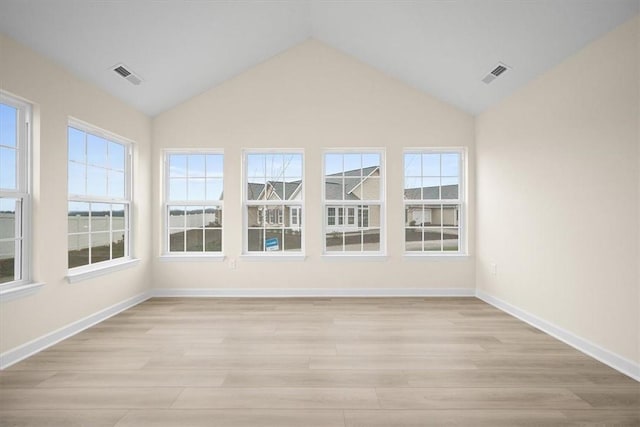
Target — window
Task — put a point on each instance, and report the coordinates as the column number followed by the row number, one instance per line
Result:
column 193, row 207
column 273, row 200
column 99, row 183
column 15, row 192
column 433, row 201
column 353, row 202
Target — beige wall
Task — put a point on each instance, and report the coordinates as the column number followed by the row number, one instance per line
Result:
column 56, row 96
column 311, row 97
column 558, row 212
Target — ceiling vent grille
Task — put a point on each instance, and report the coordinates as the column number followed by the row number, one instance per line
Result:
column 497, row 71
column 129, row 76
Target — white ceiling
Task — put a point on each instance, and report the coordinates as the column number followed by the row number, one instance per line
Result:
column 181, row 48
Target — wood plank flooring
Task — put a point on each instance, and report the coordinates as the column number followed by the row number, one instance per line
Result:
column 314, row 362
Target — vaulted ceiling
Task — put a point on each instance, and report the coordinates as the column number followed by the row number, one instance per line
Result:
column 181, row 48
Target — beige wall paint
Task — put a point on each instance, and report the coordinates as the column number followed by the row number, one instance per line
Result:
column 311, row 97
column 559, row 205
column 57, row 95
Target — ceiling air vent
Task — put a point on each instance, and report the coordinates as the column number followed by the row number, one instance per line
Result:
column 495, row 73
column 127, row 75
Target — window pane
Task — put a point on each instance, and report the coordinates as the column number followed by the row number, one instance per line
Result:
column 177, row 189
column 7, row 218
column 78, row 217
column 256, row 216
column 100, row 217
column 292, row 240
column 292, row 190
column 334, row 188
column 195, row 240
column 77, row 146
column 96, row 181
column 214, row 165
column 214, row 189
column 372, row 215
column 273, row 240
column 431, row 165
column 78, row 250
column 118, row 220
column 256, row 166
column 333, row 164
column 177, row 166
column 177, row 217
column 116, row 184
column 213, row 217
column 275, row 167
column 8, row 162
column 413, row 188
column 451, row 164
column 196, row 189
column 353, row 164
column 196, row 163
column 77, row 178
column 97, row 151
column 432, row 215
column 255, row 189
column 334, row 241
column 450, row 215
column 100, row 247
column 293, row 166
column 414, row 216
column 450, row 188
column 176, row 240
column 413, row 239
column 256, row 240
column 432, row 239
column 213, row 240
column 7, row 261
column 350, row 192
column 371, row 239
column 370, row 162
column 116, row 156
column 117, row 244
column 431, row 188
column 450, row 242
column 8, row 125
column 195, row 217
column 412, row 165
column 369, row 189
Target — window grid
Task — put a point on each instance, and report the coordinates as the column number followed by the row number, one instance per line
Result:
column 193, row 202
column 273, row 199
column 353, row 200
column 433, row 201
column 99, row 188
column 15, row 192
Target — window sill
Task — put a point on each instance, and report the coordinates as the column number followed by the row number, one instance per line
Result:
column 191, row 258
column 342, row 256
column 272, row 257
column 79, row 274
column 436, row 256
column 11, row 292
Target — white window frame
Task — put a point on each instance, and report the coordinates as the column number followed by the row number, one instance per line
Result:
column 23, row 193
column 91, row 270
column 461, row 201
column 261, row 255
column 346, row 204
column 186, row 255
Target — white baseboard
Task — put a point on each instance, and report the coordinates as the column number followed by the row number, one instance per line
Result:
column 617, row 362
column 19, row 353
column 309, row 293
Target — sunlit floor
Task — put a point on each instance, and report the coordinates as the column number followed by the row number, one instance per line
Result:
column 314, row 362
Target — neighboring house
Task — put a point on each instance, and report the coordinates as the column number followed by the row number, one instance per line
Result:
column 416, row 216
column 277, row 216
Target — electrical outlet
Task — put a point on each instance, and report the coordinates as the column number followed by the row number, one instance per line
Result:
column 232, row 264
column 494, row 269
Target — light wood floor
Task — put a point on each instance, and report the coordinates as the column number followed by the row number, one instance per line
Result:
column 314, row 362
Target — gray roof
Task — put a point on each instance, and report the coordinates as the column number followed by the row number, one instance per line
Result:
column 448, row 192
column 335, row 184
column 281, row 188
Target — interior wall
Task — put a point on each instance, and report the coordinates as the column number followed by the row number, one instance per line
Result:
column 558, row 174
column 56, row 95
column 312, row 97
